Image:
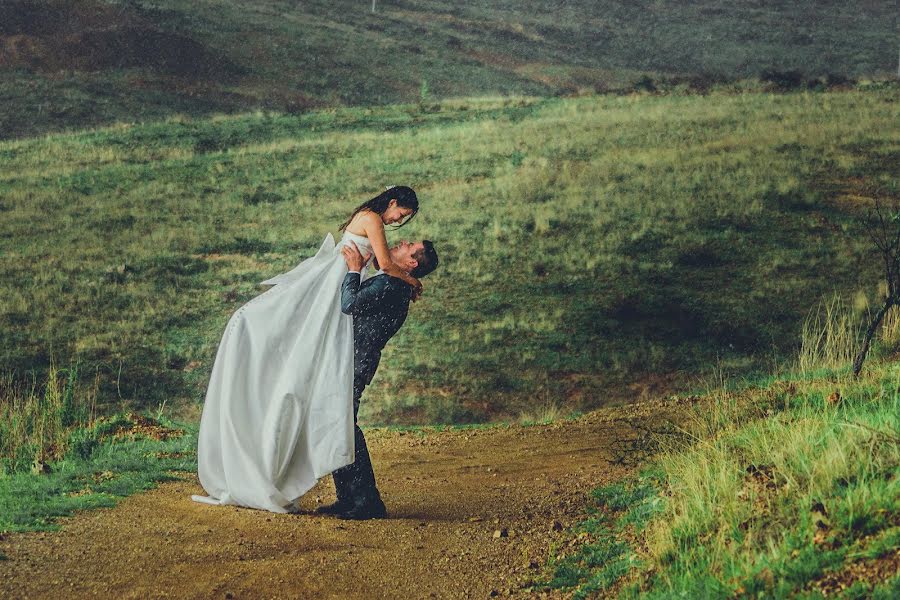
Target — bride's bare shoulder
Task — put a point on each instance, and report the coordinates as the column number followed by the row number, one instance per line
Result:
column 362, row 222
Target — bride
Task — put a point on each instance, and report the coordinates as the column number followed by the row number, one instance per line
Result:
column 278, row 412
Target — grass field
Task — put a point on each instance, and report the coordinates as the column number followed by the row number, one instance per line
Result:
column 70, row 64
column 591, row 246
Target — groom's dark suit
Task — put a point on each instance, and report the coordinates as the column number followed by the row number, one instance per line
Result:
column 379, row 307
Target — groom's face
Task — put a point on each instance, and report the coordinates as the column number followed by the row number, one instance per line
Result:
column 402, row 254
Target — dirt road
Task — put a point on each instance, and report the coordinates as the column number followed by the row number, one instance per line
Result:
column 447, row 494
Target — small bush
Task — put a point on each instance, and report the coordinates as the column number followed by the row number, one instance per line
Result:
column 833, row 80
column 644, row 84
column 829, row 337
column 782, row 80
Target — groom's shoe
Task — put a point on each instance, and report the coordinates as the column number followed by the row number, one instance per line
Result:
column 362, row 511
column 335, row 508
column 343, row 488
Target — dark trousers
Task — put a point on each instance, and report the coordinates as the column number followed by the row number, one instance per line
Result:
column 355, row 483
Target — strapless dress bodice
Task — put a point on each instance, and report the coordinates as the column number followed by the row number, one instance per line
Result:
column 361, row 241
column 364, row 245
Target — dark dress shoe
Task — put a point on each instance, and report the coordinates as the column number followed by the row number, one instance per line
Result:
column 365, row 511
column 335, row 508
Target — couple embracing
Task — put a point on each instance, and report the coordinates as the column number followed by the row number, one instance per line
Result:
column 284, row 393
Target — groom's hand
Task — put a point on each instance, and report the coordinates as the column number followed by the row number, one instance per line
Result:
column 355, row 261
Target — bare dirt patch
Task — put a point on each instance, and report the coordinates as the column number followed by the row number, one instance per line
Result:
column 448, row 493
column 138, row 426
column 869, row 570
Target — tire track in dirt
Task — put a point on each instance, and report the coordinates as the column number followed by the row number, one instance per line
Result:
column 446, row 493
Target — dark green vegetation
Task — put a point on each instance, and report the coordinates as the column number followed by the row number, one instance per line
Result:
column 587, row 244
column 57, row 456
column 75, row 63
column 785, row 490
column 107, row 460
column 36, row 421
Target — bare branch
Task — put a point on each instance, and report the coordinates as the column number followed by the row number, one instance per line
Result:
column 884, row 231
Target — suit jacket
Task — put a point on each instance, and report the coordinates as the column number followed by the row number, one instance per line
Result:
column 379, row 307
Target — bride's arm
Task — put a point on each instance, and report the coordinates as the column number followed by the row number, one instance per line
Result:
column 374, row 229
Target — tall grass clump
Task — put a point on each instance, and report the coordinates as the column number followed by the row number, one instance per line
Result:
column 59, row 455
column 36, row 420
column 890, row 329
column 830, row 336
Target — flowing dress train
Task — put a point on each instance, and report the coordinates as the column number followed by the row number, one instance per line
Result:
column 278, row 412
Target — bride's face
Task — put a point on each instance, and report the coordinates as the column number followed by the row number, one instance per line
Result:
column 395, row 214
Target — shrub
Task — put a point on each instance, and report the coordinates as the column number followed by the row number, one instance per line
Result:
column 35, row 421
column 782, row 80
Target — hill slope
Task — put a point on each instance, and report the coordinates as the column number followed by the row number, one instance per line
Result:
column 588, row 245
column 66, row 64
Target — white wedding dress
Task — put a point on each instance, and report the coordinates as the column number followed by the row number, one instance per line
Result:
column 278, row 413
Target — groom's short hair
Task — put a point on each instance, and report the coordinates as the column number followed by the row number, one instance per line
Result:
column 427, row 260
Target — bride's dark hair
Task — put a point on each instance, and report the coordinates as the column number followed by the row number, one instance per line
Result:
column 405, row 197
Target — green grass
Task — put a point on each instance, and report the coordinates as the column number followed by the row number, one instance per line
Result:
column 586, row 244
column 775, row 488
column 99, row 470
column 36, row 420
column 57, row 456
column 742, row 508
column 619, row 512
column 82, row 63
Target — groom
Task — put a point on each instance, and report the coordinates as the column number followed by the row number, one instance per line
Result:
column 379, row 306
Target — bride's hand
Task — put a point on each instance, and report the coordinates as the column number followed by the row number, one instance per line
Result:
column 417, row 290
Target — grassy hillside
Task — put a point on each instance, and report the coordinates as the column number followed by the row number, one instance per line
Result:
column 588, row 244
column 784, row 489
column 67, row 64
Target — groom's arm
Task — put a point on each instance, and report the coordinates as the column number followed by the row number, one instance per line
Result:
column 349, row 292
column 356, row 299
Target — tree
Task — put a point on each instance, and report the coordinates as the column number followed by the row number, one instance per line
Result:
column 883, row 227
